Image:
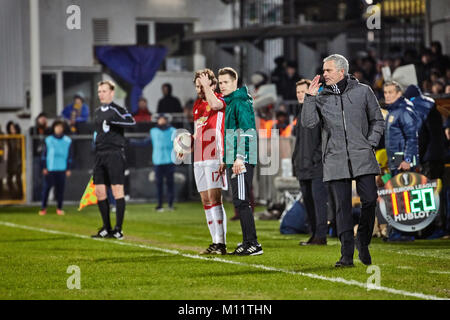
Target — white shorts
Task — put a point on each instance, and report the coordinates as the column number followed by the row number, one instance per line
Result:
column 207, row 177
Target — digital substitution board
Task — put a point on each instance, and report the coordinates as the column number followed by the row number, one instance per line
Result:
column 409, row 201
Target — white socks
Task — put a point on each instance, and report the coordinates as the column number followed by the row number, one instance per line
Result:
column 210, row 222
column 217, row 222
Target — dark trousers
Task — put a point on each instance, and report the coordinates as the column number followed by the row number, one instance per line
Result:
column 55, row 179
column 315, row 197
column 165, row 171
column 342, row 195
column 241, row 186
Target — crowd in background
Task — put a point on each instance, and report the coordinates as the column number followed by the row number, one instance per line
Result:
column 432, row 71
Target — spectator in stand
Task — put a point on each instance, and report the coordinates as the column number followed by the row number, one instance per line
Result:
column 38, row 134
column 359, row 75
column 41, row 125
column 437, row 87
column 288, row 82
column 427, row 86
column 188, row 115
column 168, row 103
column 431, row 135
column 447, row 89
column 369, row 68
column 142, row 115
column 439, row 59
column 14, row 161
column 282, row 124
column 447, row 76
column 76, row 112
column 278, row 73
column 424, row 67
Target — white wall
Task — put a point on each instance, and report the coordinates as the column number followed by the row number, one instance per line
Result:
column 63, row 47
column 11, row 55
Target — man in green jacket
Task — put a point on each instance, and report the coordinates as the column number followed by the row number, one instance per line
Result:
column 240, row 155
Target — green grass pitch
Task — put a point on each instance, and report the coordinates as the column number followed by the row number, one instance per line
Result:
column 158, row 259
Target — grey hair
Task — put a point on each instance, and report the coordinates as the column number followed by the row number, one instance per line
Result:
column 397, row 85
column 339, row 61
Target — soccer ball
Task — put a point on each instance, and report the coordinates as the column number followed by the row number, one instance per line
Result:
column 183, row 143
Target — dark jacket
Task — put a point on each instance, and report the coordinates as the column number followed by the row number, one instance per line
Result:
column 307, row 155
column 288, row 87
column 110, row 121
column 169, row 104
column 401, row 132
column 352, row 125
column 432, row 141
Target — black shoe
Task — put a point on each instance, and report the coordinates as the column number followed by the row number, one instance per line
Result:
column 210, row 249
column 344, row 262
column 314, row 241
column 103, row 234
column 305, row 243
column 221, row 249
column 215, row 248
column 364, row 254
column 239, row 249
column 248, row 250
column 117, row 233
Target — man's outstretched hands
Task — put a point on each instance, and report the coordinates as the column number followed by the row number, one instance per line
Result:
column 314, row 86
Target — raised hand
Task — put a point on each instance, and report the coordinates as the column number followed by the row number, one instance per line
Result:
column 204, row 80
column 314, row 86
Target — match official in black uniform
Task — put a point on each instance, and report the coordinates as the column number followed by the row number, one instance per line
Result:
column 110, row 120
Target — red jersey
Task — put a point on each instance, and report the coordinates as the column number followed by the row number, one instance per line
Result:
column 209, row 131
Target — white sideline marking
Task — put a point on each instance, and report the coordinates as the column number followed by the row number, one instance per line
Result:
column 257, row 266
column 439, row 272
column 436, row 253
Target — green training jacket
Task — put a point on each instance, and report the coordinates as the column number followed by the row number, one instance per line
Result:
column 241, row 140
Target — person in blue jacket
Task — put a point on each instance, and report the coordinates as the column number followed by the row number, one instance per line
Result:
column 432, row 147
column 401, row 139
column 432, row 143
column 161, row 137
column 401, row 135
column 76, row 112
column 56, row 161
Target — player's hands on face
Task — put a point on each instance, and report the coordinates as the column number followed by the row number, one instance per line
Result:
column 204, row 80
column 404, row 166
column 238, row 166
column 45, row 172
column 314, row 86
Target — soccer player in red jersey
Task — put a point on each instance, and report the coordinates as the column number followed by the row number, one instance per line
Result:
column 209, row 117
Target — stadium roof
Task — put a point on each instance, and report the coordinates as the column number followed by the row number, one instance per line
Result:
column 316, row 30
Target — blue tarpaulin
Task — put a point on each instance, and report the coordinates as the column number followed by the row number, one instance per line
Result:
column 134, row 64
